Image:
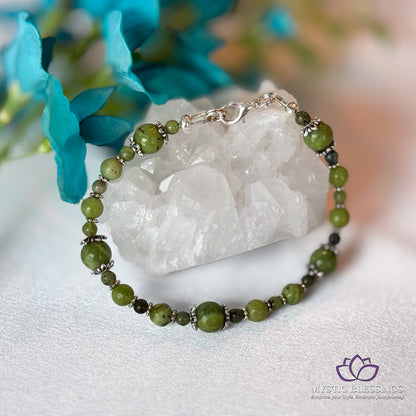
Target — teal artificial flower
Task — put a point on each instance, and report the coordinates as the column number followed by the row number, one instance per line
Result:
column 151, row 58
column 169, row 63
column 68, row 125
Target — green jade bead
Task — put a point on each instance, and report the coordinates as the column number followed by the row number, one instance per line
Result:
column 236, row 315
column 92, row 207
column 340, row 197
column 338, row 176
column 302, row 118
column 293, row 293
column 111, row 168
column 210, row 316
column 257, row 310
column 276, row 302
column 108, row 277
column 172, row 126
column 339, row 217
column 122, row 294
column 96, row 253
column 141, row 306
column 89, row 229
column 182, row 318
column 160, row 314
column 148, row 137
column 99, row 187
column 319, row 139
column 324, row 260
column 127, row 153
column 308, row 280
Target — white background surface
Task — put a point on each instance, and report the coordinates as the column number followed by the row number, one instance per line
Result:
column 67, row 349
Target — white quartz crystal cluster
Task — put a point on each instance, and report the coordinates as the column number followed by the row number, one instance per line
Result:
column 216, row 191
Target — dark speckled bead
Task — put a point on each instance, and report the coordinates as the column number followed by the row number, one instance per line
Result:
column 236, row 315
column 308, row 280
column 140, row 306
column 302, row 118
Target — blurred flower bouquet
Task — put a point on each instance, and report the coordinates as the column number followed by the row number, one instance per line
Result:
column 84, row 55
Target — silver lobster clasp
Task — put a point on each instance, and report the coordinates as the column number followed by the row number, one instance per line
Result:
column 232, row 113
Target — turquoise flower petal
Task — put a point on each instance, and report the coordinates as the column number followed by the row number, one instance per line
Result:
column 61, row 128
column 105, row 130
column 22, row 59
column 90, row 101
column 119, row 58
column 190, row 74
column 140, row 17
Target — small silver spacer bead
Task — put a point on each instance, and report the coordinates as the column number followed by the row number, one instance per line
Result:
column 133, row 301
column 291, row 108
column 93, row 238
column 94, row 220
column 340, row 206
column 101, row 178
column 304, row 287
column 283, row 299
column 333, row 166
column 327, row 150
column 192, row 314
column 95, row 195
column 245, row 313
column 162, row 130
column 116, row 283
column 227, row 317
column 135, row 147
column 121, row 160
column 103, row 268
column 173, row 317
column 338, row 188
column 269, row 307
column 150, row 304
column 313, row 125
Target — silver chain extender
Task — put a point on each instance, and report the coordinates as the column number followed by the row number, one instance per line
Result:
column 234, row 112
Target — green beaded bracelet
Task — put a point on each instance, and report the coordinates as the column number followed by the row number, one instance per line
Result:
column 211, row 316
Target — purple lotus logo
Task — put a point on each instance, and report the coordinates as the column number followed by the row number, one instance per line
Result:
column 357, row 368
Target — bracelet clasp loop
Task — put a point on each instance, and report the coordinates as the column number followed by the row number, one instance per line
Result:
column 237, row 110
column 234, row 112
